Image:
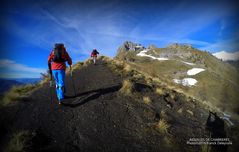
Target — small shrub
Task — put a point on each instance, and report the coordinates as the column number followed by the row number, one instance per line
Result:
column 147, row 100
column 116, row 66
column 45, row 77
column 163, row 114
column 17, row 92
column 156, row 80
column 127, row 87
column 159, row 91
column 127, row 68
column 119, row 63
column 190, row 112
column 105, row 58
column 88, row 62
column 138, row 76
column 9, row 97
column 149, row 81
column 162, row 126
column 180, row 110
column 78, row 65
column 172, row 95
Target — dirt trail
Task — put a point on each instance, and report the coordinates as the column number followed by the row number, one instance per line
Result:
column 96, row 119
column 99, row 118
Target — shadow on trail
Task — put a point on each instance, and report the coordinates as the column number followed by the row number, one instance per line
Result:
column 87, row 96
column 216, row 130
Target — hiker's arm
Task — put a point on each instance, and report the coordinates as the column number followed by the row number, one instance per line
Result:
column 50, row 57
column 69, row 60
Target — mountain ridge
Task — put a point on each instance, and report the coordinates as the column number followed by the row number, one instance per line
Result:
column 113, row 110
column 173, row 63
column 118, row 106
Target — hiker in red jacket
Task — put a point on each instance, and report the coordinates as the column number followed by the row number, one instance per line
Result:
column 94, row 55
column 57, row 67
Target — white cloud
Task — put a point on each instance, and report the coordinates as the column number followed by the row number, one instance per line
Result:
column 227, row 56
column 10, row 68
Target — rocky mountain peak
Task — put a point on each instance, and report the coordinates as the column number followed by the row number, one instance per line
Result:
column 131, row 46
column 180, row 46
column 152, row 46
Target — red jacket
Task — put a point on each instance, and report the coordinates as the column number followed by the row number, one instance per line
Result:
column 59, row 66
column 92, row 55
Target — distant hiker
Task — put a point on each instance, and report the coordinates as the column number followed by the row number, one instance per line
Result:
column 94, row 55
column 216, row 129
column 57, row 67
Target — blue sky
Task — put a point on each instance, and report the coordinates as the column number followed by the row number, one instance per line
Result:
column 29, row 29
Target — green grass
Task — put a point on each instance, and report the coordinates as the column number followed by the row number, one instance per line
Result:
column 147, row 100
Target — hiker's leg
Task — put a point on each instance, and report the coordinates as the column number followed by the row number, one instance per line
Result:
column 61, row 78
column 55, row 75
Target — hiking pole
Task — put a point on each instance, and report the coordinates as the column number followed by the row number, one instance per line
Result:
column 72, row 80
column 51, row 83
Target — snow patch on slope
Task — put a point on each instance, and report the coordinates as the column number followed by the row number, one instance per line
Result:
column 186, row 81
column 188, row 63
column 143, row 53
column 195, row 71
column 189, row 81
column 227, row 56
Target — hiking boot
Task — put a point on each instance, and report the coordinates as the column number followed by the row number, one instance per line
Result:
column 60, row 101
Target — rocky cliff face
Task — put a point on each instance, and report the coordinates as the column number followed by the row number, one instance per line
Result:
column 175, row 50
column 130, row 46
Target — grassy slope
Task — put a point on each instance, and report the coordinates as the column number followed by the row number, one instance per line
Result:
column 217, row 86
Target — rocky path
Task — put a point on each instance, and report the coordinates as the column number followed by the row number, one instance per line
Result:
column 96, row 119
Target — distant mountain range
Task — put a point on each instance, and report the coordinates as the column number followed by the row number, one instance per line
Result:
column 6, row 84
column 26, row 80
